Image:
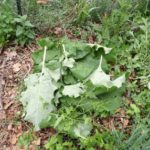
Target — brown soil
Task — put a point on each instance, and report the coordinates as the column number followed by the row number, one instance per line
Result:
column 15, row 65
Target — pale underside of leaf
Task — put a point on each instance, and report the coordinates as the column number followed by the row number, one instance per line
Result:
column 67, row 62
column 82, row 130
column 106, row 49
column 74, row 90
column 99, row 77
column 38, row 96
column 55, row 74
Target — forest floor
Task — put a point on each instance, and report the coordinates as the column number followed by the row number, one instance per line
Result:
column 15, row 65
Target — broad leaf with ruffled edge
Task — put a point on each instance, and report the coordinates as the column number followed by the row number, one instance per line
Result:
column 100, row 78
column 37, row 98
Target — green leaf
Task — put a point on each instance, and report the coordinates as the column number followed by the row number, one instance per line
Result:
column 31, row 35
column 76, row 49
column 105, row 104
column 37, row 98
column 19, row 31
column 83, row 68
column 52, row 57
column 28, row 24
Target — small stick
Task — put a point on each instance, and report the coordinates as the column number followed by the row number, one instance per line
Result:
column 1, row 86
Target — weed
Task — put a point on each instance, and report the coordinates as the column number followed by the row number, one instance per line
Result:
column 14, row 27
column 25, row 140
column 6, row 24
column 24, row 30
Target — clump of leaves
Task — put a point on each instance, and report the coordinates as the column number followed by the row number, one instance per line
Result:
column 25, row 140
column 82, row 12
column 71, row 88
column 6, row 24
column 57, row 142
column 99, row 140
column 133, row 110
column 40, row 88
column 24, row 30
column 143, row 100
column 14, row 27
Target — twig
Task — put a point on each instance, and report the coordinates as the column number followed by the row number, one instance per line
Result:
column 1, row 90
column 1, row 87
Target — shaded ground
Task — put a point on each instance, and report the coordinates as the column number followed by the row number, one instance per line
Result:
column 15, row 65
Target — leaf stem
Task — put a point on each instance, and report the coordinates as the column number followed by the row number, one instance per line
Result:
column 44, row 58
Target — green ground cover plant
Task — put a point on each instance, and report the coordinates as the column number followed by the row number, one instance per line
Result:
column 14, row 27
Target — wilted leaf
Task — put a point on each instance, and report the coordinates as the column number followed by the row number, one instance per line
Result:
column 67, row 62
column 82, row 130
column 73, row 90
column 38, row 96
column 99, row 77
column 97, row 46
column 55, row 74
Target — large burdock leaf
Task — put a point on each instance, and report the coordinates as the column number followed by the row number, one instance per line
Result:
column 100, row 78
column 83, row 68
column 37, row 98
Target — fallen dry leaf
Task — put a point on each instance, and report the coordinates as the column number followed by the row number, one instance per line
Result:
column 125, row 123
column 16, row 67
column 2, row 114
column 11, row 54
column 10, row 127
column 8, row 105
column 37, row 142
column 18, row 135
column 13, row 140
column 58, row 30
column 42, row 1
